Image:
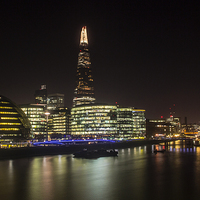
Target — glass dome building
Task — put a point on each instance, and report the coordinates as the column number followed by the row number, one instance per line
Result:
column 14, row 125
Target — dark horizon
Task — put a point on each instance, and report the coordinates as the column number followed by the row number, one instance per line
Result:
column 144, row 54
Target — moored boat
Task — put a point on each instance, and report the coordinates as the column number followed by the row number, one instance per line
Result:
column 159, row 151
column 105, row 153
column 95, row 153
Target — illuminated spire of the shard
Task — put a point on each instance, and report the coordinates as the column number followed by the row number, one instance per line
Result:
column 84, row 39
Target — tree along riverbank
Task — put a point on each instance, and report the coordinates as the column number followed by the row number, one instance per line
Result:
column 13, row 153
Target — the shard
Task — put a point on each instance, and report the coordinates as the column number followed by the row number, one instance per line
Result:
column 84, row 91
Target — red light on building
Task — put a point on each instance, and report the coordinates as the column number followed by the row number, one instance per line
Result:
column 116, row 102
column 161, row 117
column 171, row 115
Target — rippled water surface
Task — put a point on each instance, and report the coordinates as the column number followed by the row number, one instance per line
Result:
column 136, row 173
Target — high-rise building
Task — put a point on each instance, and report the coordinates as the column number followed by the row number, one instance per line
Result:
column 84, row 91
column 41, row 95
column 57, row 124
column 55, row 101
column 139, row 122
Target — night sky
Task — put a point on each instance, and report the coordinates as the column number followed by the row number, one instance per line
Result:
column 144, row 53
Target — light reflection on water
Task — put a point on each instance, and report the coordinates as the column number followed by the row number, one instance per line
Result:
column 137, row 173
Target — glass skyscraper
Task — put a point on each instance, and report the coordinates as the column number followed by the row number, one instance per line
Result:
column 84, row 91
column 41, row 95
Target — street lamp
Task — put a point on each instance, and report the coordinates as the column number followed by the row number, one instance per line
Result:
column 47, row 113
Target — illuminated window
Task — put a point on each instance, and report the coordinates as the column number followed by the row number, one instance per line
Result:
column 8, row 113
column 9, row 129
column 4, row 102
column 10, row 123
column 12, row 118
column 2, row 107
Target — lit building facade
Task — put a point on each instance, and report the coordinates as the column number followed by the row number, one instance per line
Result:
column 41, row 95
column 84, row 91
column 157, row 128
column 59, row 124
column 14, row 125
column 108, row 121
column 94, row 120
column 174, row 125
column 55, row 101
column 125, row 122
column 139, row 122
column 52, row 101
column 190, row 130
column 58, row 121
column 37, row 118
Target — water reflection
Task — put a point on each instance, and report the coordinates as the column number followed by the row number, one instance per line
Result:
column 137, row 173
column 10, row 169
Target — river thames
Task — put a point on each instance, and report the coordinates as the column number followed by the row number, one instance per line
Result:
column 136, row 173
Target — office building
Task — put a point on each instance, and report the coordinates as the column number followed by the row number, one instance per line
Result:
column 58, row 121
column 139, row 123
column 41, row 95
column 55, row 101
column 37, row 118
column 14, row 125
column 170, row 127
column 174, row 125
column 94, row 121
column 108, row 121
column 59, row 125
column 125, row 122
column 157, row 128
column 84, row 91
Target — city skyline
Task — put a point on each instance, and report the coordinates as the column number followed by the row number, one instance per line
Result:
column 143, row 54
